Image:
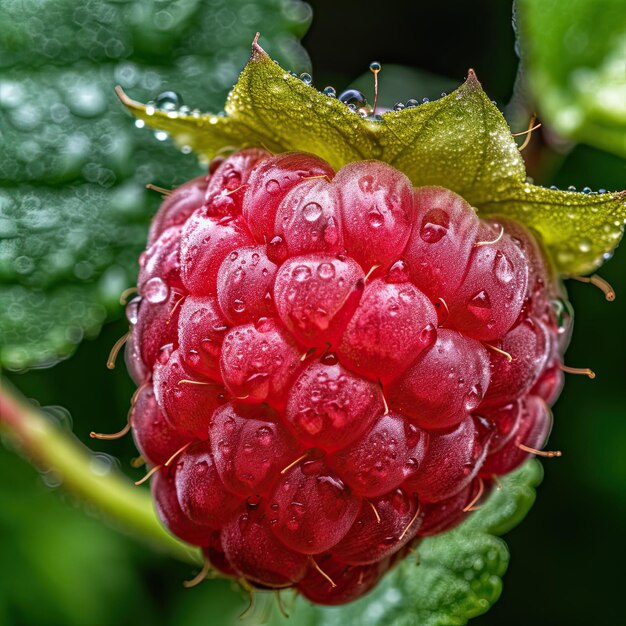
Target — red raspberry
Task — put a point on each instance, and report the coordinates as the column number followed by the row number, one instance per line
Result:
column 334, row 365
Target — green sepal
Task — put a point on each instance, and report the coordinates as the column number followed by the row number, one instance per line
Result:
column 460, row 141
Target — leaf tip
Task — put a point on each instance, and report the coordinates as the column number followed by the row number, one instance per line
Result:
column 257, row 52
column 128, row 102
column 472, row 81
column 121, row 94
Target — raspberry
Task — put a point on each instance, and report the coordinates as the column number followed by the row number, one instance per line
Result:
column 334, row 365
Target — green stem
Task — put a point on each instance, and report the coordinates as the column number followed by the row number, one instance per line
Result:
column 114, row 495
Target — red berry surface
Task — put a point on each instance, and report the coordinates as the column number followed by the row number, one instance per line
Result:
column 334, row 364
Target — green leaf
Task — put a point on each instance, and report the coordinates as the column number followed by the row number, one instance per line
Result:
column 39, row 436
column 460, row 141
column 573, row 55
column 66, row 557
column 458, row 575
column 73, row 169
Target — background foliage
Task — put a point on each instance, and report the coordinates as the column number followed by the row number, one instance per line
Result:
column 66, row 139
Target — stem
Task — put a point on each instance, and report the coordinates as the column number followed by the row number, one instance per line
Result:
column 116, row 497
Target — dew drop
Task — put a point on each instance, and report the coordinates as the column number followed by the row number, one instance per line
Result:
column 276, row 250
column 434, row 226
column 312, row 211
column 503, row 268
column 397, row 273
column 330, row 92
column 326, row 271
column 253, row 502
column 428, row 336
column 272, row 186
column 164, row 353
column 563, row 313
column 331, row 232
column 301, row 273
column 473, row 397
column 375, row 218
column 479, row 303
column 155, row 290
column 330, row 358
column 168, row 101
column 367, row 184
column 353, row 96
column 306, row 78
column 132, row 311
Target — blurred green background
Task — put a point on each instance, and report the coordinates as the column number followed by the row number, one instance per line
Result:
column 59, row 564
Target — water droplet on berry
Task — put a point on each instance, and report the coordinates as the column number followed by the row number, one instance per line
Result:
column 480, row 303
column 398, row 273
column 272, row 186
column 434, row 226
column 132, row 311
column 164, row 353
column 306, row 78
column 277, row 250
column 330, row 92
column 367, row 184
column 326, row 270
column 301, row 273
column 253, row 502
column 474, row 397
column 264, row 436
column 330, row 358
column 331, row 232
column 155, row 290
column 411, row 102
column 563, row 313
column 375, row 217
column 311, row 211
column 232, row 180
column 398, row 106
column 239, row 306
column 428, row 336
column 311, row 468
column 503, row 268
